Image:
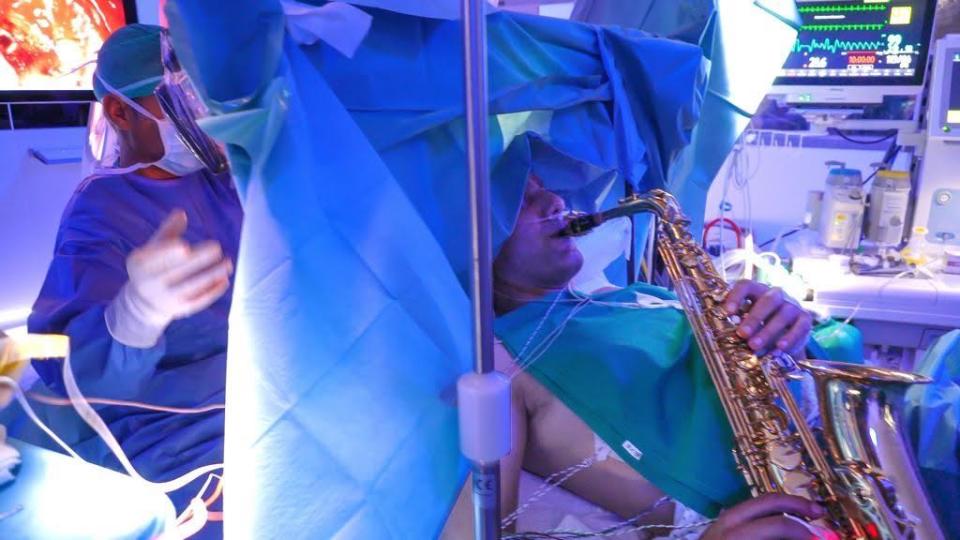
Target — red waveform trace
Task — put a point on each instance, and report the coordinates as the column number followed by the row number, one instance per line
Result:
column 41, row 41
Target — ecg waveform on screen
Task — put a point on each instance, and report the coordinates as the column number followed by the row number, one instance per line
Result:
column 834, row 45
column 839, row 27
column 842, row 8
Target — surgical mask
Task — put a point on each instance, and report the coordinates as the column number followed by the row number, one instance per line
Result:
column 177, row 158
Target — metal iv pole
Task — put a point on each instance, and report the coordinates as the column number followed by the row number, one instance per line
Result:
column 484, row 395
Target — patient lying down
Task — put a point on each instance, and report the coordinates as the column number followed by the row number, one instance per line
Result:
column 536, row 270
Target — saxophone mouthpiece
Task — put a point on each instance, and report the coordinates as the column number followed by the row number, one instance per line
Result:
column 579, row 224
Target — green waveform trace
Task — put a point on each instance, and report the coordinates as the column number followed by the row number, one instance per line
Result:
column 838, row 45
column 836, row 27
column 841, row 8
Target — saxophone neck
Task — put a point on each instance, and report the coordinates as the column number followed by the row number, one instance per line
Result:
column 656, row 201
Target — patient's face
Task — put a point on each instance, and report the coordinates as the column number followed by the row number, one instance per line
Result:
column 535, row 256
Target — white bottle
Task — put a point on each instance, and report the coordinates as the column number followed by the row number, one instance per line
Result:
column 889, row 198
column 841, row 215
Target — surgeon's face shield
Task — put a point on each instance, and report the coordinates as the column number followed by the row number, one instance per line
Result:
column 181, row 105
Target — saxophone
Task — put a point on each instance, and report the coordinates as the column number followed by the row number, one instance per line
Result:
column 857, row 465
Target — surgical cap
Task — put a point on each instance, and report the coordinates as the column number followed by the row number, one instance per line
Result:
column 130, row 61
column 583, row 186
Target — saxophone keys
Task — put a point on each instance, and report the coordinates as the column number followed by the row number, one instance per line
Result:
column 739, row 459
column 689, row 260
column 747, row 361
column 754, row 456
column 797, row 482
column 730, row 345
column 783, row 363
column 716, row 312
column 785, row 457
column 717, row 283
column 779, row 417
column 729, row 336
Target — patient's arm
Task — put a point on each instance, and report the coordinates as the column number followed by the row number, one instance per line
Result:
column 557, row 439
column 547, row 438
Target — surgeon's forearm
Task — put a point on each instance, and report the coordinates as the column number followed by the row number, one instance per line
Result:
column 104, row 367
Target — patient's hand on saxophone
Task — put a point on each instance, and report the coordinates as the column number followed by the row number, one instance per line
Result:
column 772, row 319
column 767, row 518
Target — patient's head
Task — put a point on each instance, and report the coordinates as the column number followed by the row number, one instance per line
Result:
column 534, row 259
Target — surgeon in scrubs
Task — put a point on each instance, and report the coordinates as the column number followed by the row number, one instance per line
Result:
column 141, row 278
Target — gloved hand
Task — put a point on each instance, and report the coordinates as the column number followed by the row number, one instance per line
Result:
column 168, row 280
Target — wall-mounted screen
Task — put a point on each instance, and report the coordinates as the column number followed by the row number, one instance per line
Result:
column 44, row 44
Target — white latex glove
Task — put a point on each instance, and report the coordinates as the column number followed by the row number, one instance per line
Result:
column 168, row 280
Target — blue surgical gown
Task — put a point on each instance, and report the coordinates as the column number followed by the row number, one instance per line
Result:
column 108, row 217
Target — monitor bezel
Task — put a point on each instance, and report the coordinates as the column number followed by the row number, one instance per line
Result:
column 942, row 109
column 64, row 96
column 937, row 106
column 913, row 80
